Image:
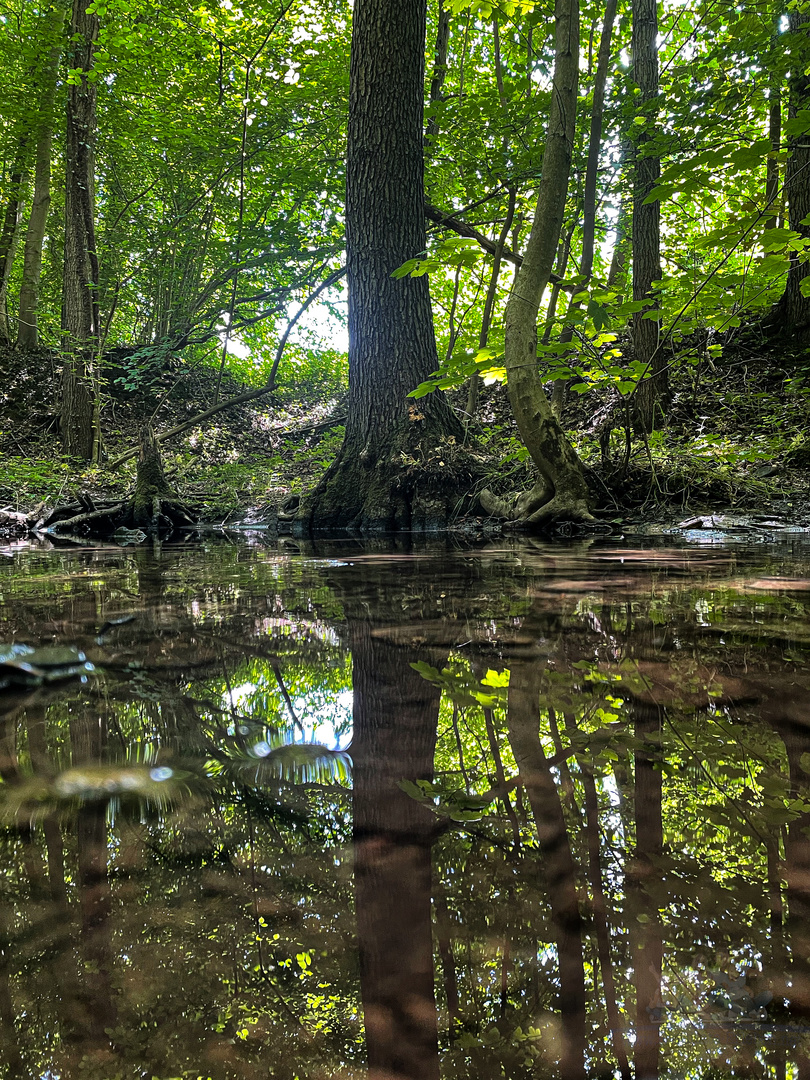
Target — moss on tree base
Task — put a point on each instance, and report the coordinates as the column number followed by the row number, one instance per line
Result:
column 419, row 486
column 154, row 503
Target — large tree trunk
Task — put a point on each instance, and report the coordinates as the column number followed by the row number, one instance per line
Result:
column 652, row 390
column 793, row 310
column 561, row 492
column 80, row 296
column 388, row 474
column 28, row 333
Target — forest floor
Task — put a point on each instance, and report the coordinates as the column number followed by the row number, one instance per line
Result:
column 737, row 440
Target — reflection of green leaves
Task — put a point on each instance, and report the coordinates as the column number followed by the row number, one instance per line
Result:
column 463, row 688
column 456, row 805
column 292, row 762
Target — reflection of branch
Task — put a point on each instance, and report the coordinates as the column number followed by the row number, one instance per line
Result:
column 276, row 669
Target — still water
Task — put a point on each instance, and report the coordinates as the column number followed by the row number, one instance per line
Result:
column 350, row 811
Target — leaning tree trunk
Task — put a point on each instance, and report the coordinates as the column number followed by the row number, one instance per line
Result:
column 651, row 391
column 80, row 296
column 562, row 491
column 792, row 316
column 28, row 333
column 391, row 471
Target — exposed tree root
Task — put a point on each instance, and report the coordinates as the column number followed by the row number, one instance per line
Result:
column 538, row 508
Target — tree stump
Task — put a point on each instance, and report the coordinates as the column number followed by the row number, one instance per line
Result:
column 154, row 501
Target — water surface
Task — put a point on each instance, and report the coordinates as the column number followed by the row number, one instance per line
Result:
column 344, row 811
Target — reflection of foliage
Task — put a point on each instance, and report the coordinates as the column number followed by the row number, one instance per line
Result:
column 292, row 762
column 134, row 788
column 228, row 884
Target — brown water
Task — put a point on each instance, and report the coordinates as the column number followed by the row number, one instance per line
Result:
column 522, row 811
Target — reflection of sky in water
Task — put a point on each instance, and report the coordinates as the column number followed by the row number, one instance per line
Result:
column 329, row 724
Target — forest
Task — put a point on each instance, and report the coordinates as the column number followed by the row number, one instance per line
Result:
column 610, row 203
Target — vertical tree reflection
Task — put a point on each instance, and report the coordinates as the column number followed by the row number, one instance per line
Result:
column 558, row 861
column 648, row 946
column 97, row 1011
column 395, row 718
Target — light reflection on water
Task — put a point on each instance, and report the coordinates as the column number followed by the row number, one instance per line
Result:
column 572, row 781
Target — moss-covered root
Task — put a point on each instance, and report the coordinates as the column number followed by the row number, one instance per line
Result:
column 538, row 509
column 154, row 503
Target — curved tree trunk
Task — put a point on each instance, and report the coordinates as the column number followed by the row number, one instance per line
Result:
column 80, row 301
column 388, row 474
column 562, row 491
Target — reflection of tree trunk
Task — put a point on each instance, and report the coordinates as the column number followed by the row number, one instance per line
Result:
column 88, row 739
column 648, row 949
column 444, row 939
column 38, row 752
column 555, row 848
column 10, row 1055
column 600, row 912
column 395, row 717
column 797, row 873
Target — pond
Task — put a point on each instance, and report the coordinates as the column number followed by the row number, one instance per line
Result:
column 272, row 810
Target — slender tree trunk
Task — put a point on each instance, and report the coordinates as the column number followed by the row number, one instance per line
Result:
column 772, row 199
column 489, row 303
column 560, row 269
column 28, row 331
column 439, row 70
column 562, row 491
column 589, row 199
column 10, row 233
column 372, row 486
column 793, row 310
column 80, row 295
column 624, row 217
column 651, row 392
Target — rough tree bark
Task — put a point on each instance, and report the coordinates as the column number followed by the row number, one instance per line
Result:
column 651, row 392
column 28, row 332
column 154, row 502
column 388, row 474
column 80, row 300
column 792, row 315
column 10, row 232
column 562, row 491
